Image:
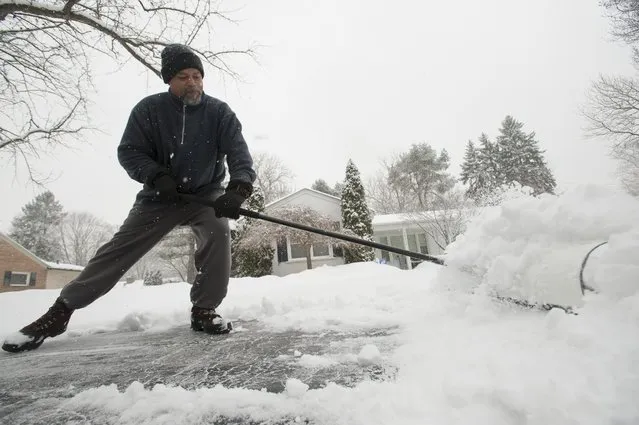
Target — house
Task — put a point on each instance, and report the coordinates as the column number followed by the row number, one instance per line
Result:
column 22, row 269
column 397, row 230
column 411, row 232
column 290, row 258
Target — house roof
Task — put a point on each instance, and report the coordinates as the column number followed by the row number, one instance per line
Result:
column 424, row 216
column 388, row 219
column 63, row 266
column 48, row 264
column 304, row 189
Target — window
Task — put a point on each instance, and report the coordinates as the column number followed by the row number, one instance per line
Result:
column 412, row 245
column 397, row 241
column 423, row 243
column 320, row 250
column 19, row 278
column 282, row 251
column 297, row 251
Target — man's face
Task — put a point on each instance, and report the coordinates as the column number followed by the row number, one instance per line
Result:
column 187, row 85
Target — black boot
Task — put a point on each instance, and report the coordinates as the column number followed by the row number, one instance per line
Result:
column 207, row 320
column 52, row 323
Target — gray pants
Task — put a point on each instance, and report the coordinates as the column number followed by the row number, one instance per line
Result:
column 144, row 228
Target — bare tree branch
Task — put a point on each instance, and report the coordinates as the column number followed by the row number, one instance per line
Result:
column 46, row 52
column 613, row 114
column 263, row 232
column 448, row 219
column 81, row 234
column 273, row 177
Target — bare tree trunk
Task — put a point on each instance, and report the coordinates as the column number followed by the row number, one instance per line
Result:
column 309, row 261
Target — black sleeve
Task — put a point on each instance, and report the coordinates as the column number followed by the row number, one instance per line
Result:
column 233, row 145
column 136, row 151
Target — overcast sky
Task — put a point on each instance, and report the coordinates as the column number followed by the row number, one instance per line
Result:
column 366, row 79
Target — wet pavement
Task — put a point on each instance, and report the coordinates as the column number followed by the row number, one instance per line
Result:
column 33, row 384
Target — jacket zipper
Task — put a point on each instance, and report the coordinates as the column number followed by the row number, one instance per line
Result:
column 183, row 122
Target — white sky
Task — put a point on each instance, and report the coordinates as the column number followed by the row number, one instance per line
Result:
column 362, row 80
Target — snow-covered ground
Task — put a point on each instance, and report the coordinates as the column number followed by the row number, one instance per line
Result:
column 461, row 357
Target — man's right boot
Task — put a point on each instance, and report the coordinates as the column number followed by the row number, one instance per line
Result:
column 52, row 323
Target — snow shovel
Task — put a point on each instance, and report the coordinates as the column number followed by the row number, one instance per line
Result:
column 260, row 216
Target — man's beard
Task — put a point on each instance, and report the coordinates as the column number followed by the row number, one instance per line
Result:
column 192, row 97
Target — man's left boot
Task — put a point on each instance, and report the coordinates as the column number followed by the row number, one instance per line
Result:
column 207, row 320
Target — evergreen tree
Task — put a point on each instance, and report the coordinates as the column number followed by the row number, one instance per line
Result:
column 321, row 186
column 251, row 260
column 470, row 168
column 422, row 173
column 356, row 216
column 479, row 169
column 489, row 175
column 36, row 228
column 521, row 160
column 513, row 159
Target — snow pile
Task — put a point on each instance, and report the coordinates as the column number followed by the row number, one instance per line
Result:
column 533, row 248
column 295, row 388
column 369, row 355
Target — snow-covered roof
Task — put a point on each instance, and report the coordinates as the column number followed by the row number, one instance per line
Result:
column 61, row 266
column 404, row 218
column 414, row 217
column 388, row 219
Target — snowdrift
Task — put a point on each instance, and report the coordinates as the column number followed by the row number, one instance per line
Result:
column 535, row 249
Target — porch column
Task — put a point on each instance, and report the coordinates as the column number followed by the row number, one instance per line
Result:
column 405, row 238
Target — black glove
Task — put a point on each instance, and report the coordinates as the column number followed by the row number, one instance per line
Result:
column 165, row 188
column 228, row 204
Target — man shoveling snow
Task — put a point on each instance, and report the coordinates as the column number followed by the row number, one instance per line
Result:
column 175, row 142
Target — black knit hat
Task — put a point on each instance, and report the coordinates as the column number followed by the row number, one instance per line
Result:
column 176, row 57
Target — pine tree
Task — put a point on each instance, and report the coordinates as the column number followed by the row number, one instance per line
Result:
column 513, row 159
column 251, row 260
column 321, row 186
column 36, row 228
column 470, row 168
column 521, row 160
column 490, row 175
column 355, row 215
column 479, row 169
column 421, row 173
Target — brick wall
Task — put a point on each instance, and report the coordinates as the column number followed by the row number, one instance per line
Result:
column 11, row 259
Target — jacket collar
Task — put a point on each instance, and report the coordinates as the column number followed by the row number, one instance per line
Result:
column 179, row 103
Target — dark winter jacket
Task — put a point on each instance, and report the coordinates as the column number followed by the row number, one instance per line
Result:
column 190, row 143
